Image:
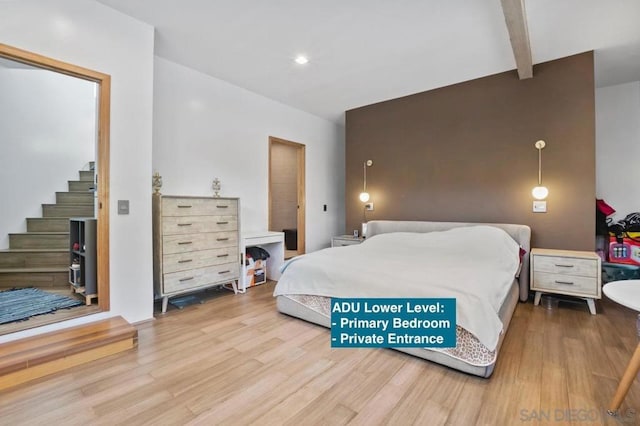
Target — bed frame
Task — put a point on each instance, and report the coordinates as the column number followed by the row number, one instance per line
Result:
column 519, row 290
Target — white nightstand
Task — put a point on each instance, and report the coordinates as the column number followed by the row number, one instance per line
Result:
column 574, row 273
column 345, row 240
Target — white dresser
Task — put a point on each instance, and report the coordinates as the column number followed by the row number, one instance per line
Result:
column 569, row 272
column 195, row 244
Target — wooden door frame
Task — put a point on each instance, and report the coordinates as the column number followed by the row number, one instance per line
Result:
column 301, row 156
column 102, row 162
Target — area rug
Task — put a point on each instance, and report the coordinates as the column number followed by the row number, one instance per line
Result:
column 23, row 303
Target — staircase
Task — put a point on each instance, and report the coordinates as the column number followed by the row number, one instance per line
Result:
column 40, row 256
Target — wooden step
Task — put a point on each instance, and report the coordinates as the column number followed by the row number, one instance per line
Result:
column 80, row 185
column 87, row 175
column 39, row 240
column 68, row 210
column 38, row 356
column 45, row 278
column 47, row 224
column 74, row 197
column 34, row 258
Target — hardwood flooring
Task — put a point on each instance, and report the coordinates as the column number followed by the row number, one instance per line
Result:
column 235, row 360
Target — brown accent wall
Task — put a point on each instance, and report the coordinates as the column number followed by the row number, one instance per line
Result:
column 466, row 153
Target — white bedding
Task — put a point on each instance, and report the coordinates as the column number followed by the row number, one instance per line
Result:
column 476, row 265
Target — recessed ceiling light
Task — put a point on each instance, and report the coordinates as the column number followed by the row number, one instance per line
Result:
column 301, row 59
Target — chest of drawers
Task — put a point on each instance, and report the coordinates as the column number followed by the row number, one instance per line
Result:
column 569, row 272
column 195, row 244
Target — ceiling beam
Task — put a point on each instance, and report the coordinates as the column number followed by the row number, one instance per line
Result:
column 516, row 19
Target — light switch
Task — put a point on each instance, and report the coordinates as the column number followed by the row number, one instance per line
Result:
column 123, row 206
column 539, row 206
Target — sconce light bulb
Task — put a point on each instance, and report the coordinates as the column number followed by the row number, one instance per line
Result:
column 364, row 197
column 540, row 192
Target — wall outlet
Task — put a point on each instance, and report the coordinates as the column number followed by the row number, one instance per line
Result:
column 539, row 206
column 123, row 206
column 368, row 207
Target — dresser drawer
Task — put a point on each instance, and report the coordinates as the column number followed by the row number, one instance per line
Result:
column 198, row 206
column 563, row 283
column 566, row 265
column 177, row 225
column 193, row 242
column 198, row 259
column 200, row 277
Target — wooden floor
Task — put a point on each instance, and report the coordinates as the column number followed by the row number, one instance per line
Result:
column 235, row 360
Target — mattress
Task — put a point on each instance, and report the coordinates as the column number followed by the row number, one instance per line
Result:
column 469, row 355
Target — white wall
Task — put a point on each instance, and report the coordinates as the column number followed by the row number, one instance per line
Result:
column 47, row 134
column 618, row 147
column 86, row 33
column 206, row 128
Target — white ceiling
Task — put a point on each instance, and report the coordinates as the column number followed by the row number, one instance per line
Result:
column 366, row 51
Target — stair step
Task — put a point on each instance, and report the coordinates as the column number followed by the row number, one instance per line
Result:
column 37, row 356
column 74, row 197
column 68, row 210
column 39, row 240
column 87, row 175
column 41, row 278
column 34, row 258
column 80, row 185
column 47, row 224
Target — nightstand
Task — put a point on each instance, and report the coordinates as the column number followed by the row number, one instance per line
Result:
column 569, row 272
column 345, row 240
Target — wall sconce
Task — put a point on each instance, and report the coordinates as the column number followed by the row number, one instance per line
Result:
column 364, row 195
column 540, row 192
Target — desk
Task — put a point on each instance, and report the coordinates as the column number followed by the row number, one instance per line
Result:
column 626, row 293
column 273, row 242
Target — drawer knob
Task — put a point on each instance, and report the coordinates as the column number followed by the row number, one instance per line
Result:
column 222, row 207
column 224, row 272
column 222, row 223
column 185, row 224
column 186, row 279
column 223, row 239
column 185, row 261
column 564, row 282
column 559, row 265
column 185, row 242
column 223, row 255
column 184, row 207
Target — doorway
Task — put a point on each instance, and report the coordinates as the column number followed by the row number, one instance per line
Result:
column 287, row 193
column 38, row 252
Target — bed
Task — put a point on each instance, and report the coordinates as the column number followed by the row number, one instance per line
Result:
column 480, row 264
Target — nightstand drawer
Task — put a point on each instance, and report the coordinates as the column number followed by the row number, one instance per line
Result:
column 345, row 240
column 340, row 243
column 585, row 286
column 566, row 265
